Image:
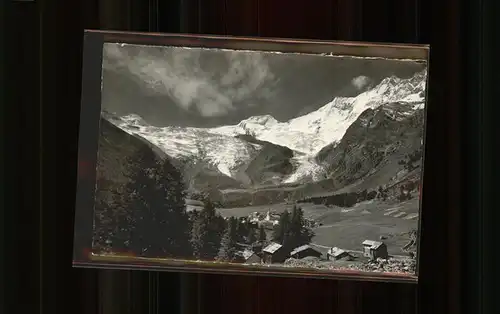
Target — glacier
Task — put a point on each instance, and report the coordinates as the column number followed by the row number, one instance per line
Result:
column 306, row 135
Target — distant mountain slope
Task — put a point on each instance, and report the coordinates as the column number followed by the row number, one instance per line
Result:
column 229, row 150
column 270, row 165
column 373, row 153
column 227, row 153
column 116, row 150
column 233, row 161
column 368, row 155
column 375, row 145
column 309, row 133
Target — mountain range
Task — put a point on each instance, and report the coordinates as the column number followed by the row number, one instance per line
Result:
column 348, row 140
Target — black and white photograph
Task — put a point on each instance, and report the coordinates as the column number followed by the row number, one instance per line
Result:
column 259, row 158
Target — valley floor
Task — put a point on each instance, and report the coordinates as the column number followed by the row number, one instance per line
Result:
column 347, row 228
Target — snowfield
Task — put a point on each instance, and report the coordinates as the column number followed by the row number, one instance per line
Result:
column 305, row 135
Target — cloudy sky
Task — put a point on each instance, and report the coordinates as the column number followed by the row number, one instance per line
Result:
column 203, row 88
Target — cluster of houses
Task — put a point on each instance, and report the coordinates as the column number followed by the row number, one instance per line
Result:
column 275, row 253
column 270, row 219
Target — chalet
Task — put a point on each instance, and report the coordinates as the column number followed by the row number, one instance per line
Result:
column 247, row 256
column 251, row 257
column 375, row 249
column 305, row 251
column 268, row 224
column 257, row 247
column 192, row 205
column 194, row 202
column 334, row 254
column 274, row 253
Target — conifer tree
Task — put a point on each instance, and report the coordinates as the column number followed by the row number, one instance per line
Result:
column 138, row 195
column 206, row 232
column 156, row 200
column 174, row 218
column 280, row 232
column 242, row 230
column 252, row 236
column 262, row 234
column 299, row 233
column 228, row 249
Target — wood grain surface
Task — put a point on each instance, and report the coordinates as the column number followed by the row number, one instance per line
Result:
column 68, row 290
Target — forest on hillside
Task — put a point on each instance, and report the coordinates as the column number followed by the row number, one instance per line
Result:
column 146, row 216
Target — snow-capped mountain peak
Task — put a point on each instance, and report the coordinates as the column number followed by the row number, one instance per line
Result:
column 306, row 135
column 264, row 120
column 309, row 133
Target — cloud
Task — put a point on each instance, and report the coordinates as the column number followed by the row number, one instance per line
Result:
column 360, row 82
column 178, row 73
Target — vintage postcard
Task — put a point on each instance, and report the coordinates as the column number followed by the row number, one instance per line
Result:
column 211, row 157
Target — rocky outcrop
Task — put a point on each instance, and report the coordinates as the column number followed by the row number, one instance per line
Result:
column 380, row 138
column 271, row 164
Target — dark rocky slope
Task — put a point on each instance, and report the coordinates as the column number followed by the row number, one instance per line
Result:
column 116, row 151
column 271, row 163
column 378, row 137
column 381, row 149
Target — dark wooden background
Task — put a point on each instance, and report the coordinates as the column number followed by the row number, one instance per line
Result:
column 46, row 39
